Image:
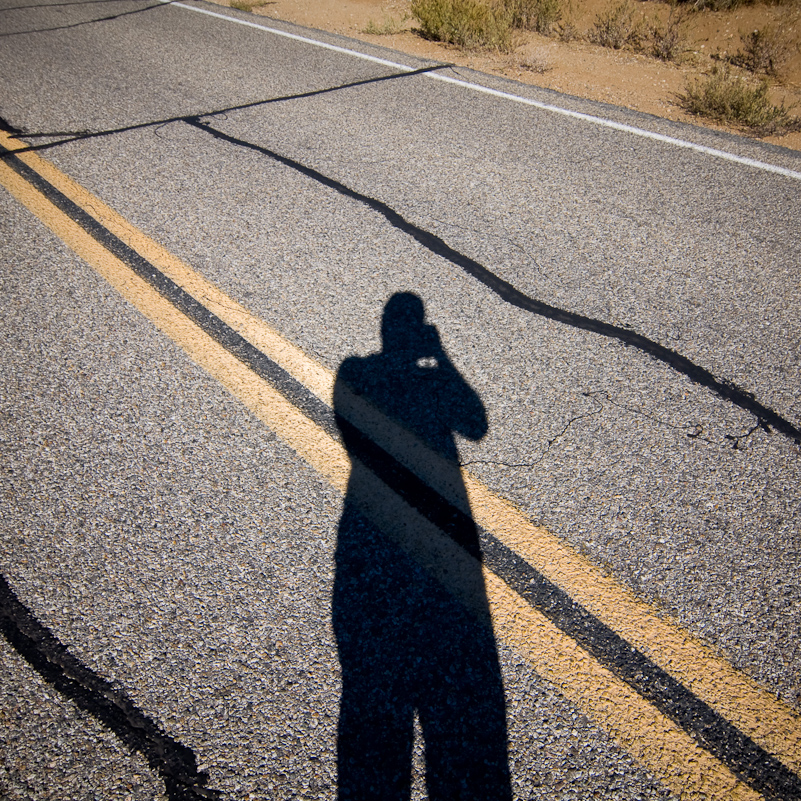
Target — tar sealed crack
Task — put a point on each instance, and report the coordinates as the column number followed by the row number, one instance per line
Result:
column 736, row 439
column 103, row 699
column 549, row 444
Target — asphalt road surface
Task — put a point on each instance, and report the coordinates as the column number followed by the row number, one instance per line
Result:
column 375, row 428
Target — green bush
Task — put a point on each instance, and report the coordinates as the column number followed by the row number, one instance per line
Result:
column 468, row 23
column 727, row 97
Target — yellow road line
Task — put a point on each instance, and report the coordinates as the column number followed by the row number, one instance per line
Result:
column 650, row 736
column 757, row 713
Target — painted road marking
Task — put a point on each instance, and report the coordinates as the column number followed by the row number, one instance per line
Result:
column 526, row 101
column 648, row 733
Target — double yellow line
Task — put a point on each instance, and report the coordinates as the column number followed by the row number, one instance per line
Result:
column 649, row 735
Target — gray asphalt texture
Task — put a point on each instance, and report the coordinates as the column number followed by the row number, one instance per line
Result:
column 179, row 549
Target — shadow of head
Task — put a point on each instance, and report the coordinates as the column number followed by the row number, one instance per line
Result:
column 413, row 381
column 404, row 330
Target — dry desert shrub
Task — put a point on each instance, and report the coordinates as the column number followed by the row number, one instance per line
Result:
column 485, row 23
column 667, row 41
column 765, row 50
column 468, row 23
column 616, row 27
column 726, row 97
column 389, row 27
column 534, row 15
column 730, row 5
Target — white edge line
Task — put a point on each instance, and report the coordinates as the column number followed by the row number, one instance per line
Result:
column 294, row 36
column 577, row 115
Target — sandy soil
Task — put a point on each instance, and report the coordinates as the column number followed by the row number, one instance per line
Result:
column 576, row 67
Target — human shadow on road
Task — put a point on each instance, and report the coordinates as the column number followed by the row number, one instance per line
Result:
column 407, row 646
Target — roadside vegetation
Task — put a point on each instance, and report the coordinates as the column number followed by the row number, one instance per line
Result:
column 470, row 24
column 617, row 28
column 246, row 5
column 491, row 24
column 730, row 92
column 483, row 23
column 737, row 97
column 668, row 40
column 389, row 26
column 727, row 97
column 730, row 5
column 765, row 50
column 734, row 62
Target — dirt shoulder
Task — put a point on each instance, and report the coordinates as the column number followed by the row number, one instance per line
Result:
column 621, row 77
